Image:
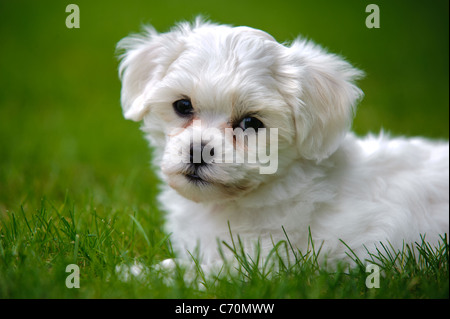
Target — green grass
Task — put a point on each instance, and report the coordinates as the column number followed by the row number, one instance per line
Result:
column 75, row 181
column 35, row 249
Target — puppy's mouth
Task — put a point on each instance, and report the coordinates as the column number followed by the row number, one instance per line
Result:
column 194, row 178
column 203, row 183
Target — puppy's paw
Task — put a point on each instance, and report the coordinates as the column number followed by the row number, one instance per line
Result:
column 191, row 272
column 168, row 264
column 137, row 271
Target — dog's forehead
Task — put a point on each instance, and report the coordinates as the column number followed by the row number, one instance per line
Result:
column 218, row 37
column 223, row 50
column 226, row 68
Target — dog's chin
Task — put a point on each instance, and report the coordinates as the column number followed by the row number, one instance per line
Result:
column 203, row 189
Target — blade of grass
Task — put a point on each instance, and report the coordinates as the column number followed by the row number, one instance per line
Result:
column 141, row 230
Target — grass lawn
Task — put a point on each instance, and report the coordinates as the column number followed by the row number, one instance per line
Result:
column 76, row 186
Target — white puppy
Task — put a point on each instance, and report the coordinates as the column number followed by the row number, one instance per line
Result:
column 194, row 85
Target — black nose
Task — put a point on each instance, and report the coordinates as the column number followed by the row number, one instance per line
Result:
column 196, row 154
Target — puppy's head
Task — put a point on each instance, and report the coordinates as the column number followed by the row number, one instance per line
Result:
column 215, row 99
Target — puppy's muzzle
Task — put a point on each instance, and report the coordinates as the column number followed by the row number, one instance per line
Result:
column 198, row 160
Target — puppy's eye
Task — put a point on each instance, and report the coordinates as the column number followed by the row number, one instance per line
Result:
column 183, row 107
column 251, row 122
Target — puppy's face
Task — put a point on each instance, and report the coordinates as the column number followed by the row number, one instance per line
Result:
column 230, row 108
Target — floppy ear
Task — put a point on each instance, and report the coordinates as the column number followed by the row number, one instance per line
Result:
column 145, row 59
column 326, row 99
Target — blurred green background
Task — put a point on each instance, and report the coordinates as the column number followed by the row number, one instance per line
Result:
column 61, row 126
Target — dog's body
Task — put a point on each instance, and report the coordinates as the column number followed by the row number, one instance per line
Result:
column 328, row 183
column 370, row 190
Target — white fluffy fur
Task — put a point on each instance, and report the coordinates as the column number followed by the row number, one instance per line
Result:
column 361, row 191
